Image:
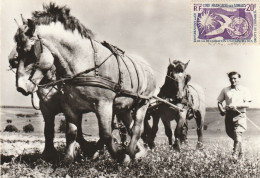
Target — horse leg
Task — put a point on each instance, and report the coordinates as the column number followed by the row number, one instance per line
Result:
column 200, row 123
column 137, row 130
column 72, row 120
column 168, row 131
column 88, row 148
column 147, row 130
column 156, row 119
column 178, row 132
column 184, row 133
column 99, row 146
column 104, row 115
column 49, row 151
column 126, row 118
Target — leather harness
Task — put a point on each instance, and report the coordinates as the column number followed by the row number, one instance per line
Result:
column 97, row 80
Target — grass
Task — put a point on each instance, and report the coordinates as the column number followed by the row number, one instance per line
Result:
column 213, row 161
column 21, row 152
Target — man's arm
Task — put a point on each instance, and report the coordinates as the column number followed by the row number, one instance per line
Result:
column 220, row 99
column 221, row 109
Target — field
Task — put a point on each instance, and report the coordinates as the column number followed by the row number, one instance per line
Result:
column 21, row 152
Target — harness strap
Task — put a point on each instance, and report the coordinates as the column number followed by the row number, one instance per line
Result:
column 137, row 73
column 119, row 54
column 76, row 75
column 196, row 92
column 104, row 83
column 97, row 80
column 95, row 57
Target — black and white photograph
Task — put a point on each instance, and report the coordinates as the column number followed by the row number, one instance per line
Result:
column 130, row 88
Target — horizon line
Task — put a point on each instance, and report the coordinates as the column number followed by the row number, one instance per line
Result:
column 31, row 107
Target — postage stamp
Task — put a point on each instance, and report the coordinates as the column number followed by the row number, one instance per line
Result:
column 225, row 22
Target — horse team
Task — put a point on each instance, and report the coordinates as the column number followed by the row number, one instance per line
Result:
column 58, row 57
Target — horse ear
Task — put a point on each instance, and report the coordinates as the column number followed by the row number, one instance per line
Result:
column 187, row 79
column 24, row 21
column 31, row 29
column 171, row 63
column 185, row 65
column 16, row 22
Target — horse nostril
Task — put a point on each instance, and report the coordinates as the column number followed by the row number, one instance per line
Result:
column 21, row 90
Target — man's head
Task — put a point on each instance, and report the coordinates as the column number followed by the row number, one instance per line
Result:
column 234, row 78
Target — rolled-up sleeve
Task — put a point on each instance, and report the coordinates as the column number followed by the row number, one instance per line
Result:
column 221, row 96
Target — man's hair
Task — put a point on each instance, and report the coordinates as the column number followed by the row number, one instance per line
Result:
column 230, row 74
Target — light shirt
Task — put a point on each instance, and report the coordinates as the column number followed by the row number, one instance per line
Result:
column 235, row 96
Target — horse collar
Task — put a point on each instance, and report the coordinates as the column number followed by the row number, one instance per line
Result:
column 38, row 47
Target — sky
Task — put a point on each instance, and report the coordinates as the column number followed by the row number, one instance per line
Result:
column 154, row 29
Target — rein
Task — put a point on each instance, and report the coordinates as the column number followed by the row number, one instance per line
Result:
column 33, row 103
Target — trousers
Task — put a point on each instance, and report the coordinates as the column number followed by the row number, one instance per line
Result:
column 235, row 125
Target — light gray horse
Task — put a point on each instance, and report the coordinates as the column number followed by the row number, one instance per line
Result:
column 90, row 77
column 50, row 106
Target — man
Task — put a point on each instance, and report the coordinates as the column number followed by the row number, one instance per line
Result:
column 237, row 99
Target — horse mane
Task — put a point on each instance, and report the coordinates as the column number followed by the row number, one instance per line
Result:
column 53, row 13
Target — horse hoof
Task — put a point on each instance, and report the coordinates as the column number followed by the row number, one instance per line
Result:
column 97, row 154
column 90, row 150
column 199, row 146
column 176, row 147
column 50, row 154
column 127, row 159
column 151, row 145
column 68, row 159
column 140, row 154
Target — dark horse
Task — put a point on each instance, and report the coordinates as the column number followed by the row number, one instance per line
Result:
column 91, row 76
column 189, row 97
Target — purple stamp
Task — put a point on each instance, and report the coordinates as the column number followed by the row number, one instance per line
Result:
column 227, row 22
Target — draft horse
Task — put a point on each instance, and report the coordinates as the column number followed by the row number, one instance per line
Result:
column 50, row 106
column 189, row 97
column 92, row 77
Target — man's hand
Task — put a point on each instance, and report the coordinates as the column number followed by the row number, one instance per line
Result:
column 223, row 113
column 231, row 107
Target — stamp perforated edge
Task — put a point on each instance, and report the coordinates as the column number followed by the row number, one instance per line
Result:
column 257, row 2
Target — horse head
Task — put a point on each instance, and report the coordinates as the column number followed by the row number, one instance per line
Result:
column 34, row 60
column 176, row 66
column 13, row 58
column 172, row 87
column 181, row 80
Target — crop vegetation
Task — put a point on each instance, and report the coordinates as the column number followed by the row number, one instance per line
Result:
column 214, row 160
column 21, row 152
